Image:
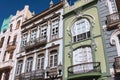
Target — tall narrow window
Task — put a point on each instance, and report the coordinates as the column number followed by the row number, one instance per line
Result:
column 18, row 24
column 55, row 26
column 43, row 32
column 11, row 55
column 81, row 30
column 24, row 39
column 19, row 67
column 53, row 58
column 29, row 64
column 4, row 56
column 14, row 40
column 40, row 62
column 11, row 25
column 8, row 40
column 2, row 41
column 33, row 35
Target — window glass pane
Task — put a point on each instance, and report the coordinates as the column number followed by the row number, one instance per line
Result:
column 80, row 30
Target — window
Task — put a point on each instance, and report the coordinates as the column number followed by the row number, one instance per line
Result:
column 11, row 55
column 8, row 40
column 55, row 26
column 40, row 62
column 18, row 24
column 24, row 39
column 33, row 35
column 119, row 37
column 29, row 64
column 81, row 30
column 82, row 55
column 43, row 32
column 53, row 58
column 14, row 40
column 11, row 27
column 2, row 41
column 19, row 67
column 4, row 56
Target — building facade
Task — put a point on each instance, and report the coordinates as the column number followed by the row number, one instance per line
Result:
column 110, row 20
column 40, row 55
column 84, row 57
column 10, row 43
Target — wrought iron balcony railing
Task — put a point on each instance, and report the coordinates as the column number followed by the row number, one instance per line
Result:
column 36, row 42
column 113, row 20
column 33, row 75
column 84, row 68
column 117, row 65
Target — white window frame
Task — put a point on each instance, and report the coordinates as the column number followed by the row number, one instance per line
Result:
column 40, row 58
column 33, row 35
column 81, row 30
column 43, row 31
column 53, row 58
column 55, row 26
column 29, row 64
column 24, row 39
column 19, row 67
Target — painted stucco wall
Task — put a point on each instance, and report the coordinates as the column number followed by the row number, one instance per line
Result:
column 69, row 17
column 104, row 8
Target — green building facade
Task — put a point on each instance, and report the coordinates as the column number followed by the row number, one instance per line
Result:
column 5, row 24
column 84, row 57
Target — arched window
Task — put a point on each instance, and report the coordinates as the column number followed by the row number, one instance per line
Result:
column 29, row 64
column 18, row 24
column 19, row 67
column 53, row 58
column 40, row 61
column 81, row 30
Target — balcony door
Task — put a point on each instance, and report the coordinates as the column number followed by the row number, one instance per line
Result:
column 33, row 35
column 29, row 64
column 81, row 57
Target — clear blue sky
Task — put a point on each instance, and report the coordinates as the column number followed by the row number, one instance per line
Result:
column 9, row 7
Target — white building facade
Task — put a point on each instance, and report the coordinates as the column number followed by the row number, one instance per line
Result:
column 11, row 39
column 40, row 55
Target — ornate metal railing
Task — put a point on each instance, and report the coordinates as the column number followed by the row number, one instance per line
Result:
column 33, row 75
column 113, row 20
column 36, row 42
column 84, row 68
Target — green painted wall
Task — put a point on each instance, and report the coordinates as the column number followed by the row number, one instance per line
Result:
column 69, row 18
column 5, row 23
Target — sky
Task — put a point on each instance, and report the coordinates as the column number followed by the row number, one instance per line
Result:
column 9, row 7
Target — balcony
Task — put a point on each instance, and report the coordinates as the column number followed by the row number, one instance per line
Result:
column 117, row 65
column 34, row 75
column 11, row 46
column 85, row 71
column 113, row 21
column 35, row 43
column 6, row 65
